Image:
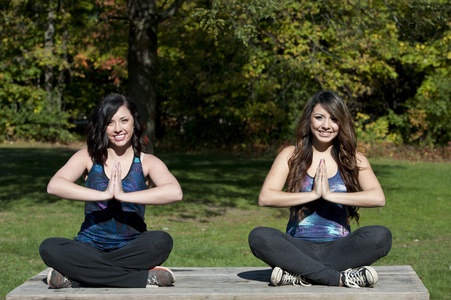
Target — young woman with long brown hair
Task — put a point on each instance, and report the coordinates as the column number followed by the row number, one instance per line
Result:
column 327, row 179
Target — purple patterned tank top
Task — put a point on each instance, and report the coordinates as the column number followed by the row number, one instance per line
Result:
column 320, row 220
column 110, row 224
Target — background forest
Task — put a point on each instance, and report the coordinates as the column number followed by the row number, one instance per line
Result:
column 225, row 74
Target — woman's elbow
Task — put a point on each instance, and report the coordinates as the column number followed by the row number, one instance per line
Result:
column 51, row 188
column 263, row 201
column 178, row 195
column 380, row 201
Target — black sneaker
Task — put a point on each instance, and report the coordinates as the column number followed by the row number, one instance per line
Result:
column 160, row 276
column 57, row 280
column 282, row 277
column 361, row 277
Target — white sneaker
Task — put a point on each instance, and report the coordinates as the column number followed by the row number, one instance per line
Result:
column 282, row 277
column 361, row 277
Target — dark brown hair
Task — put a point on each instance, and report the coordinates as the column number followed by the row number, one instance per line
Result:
column 96, row 137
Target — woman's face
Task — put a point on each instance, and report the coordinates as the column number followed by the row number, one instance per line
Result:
column 323, row 126
column 120, row 128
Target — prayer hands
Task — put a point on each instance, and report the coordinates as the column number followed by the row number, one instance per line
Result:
column 321, row 182
column 114, row 188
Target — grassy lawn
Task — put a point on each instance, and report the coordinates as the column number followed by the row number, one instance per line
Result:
column 210, row 226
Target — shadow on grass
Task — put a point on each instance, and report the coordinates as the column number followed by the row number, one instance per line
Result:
column 211, row 183
column 385, row 172
column 215, row 183
column 26, row 172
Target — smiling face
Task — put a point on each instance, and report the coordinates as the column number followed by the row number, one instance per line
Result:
column 323, row 126
column 120, row 128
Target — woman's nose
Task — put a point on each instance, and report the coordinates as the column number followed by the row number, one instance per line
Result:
column 326, row 123
column 117, row 127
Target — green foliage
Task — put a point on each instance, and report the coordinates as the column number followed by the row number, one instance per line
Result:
column 373, row 132
column 237, row 17
column 376, row 54
column 216, row 91
column 430, row 111
column 86, row 59
column 25, row 116
column 235, row 74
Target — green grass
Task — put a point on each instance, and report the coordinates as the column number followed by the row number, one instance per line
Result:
column 210, row 226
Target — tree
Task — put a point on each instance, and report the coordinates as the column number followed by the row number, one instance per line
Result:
column 229, row 72
column 388, row 58
column 49, row 49
column 144, row 16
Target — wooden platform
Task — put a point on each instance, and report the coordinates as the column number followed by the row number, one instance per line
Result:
column 395, row 282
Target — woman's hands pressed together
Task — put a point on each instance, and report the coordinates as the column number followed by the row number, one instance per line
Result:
column 371, row 194
column 321, row 183
column 114, row 189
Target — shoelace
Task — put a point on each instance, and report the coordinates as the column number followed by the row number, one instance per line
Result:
column 293, row 279
column 354, row 279
column 152, row 280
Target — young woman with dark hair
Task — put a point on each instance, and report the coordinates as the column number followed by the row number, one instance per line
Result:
column 318, row 246
column 113, row 247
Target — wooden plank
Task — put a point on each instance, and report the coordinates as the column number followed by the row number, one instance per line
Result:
column 395, row 282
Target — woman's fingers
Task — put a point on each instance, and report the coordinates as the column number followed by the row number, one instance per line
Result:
column 117, row 179
column 317, row 181
column 325, row 190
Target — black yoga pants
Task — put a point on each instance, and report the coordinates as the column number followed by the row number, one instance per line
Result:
column 126, row 267
column 320, row 262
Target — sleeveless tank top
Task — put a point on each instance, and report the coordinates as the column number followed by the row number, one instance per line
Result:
column 110, row 225
column 320, row 220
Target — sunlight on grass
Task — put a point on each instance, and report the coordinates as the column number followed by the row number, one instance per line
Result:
column 210, row 226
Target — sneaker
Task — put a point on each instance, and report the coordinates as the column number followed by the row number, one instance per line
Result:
column 160, row 276
column 282, row 277
column 361, row 277
column 57, row 280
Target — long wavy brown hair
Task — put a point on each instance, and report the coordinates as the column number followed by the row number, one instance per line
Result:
column 343, row 150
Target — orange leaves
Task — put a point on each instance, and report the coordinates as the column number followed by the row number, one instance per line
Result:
column 81, row 60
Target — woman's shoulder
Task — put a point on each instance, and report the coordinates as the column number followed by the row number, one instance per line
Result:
column 83, row 158
column 287, row 151
column 78, row 163
column 362, row 160
column 153, row 167
column 149, row 160
column 284, row 155
column 82, row 154
column 146, row 157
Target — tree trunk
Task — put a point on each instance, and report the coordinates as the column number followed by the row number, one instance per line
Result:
column 142, row 63
column 142, row 59
column 62, row 77
column 48, row 47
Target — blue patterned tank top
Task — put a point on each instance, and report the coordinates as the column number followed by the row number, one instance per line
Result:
column 320, row 220
column 111, row 224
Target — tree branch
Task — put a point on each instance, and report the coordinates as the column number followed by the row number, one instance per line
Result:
column 170, row 11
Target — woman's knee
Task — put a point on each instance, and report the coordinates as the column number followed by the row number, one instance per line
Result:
column 260, row 237
column 49, row 249
column 159, row 239
column 378, row 238
column 383, row 239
